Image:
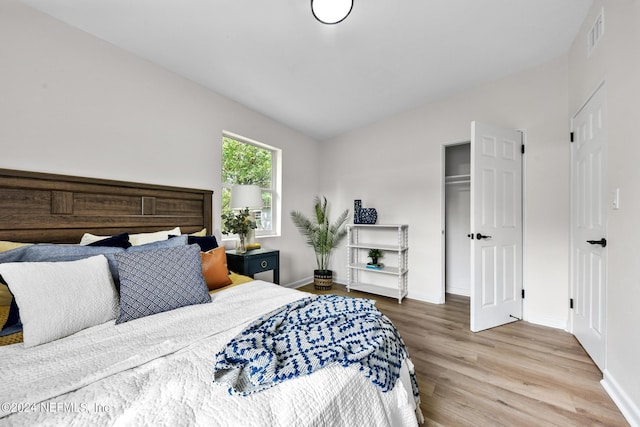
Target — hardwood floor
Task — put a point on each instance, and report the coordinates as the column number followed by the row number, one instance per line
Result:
column 514, row 375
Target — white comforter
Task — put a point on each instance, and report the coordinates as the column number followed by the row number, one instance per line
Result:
column 158, row 371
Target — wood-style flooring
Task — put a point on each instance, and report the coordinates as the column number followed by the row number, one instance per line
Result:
column 519, row 374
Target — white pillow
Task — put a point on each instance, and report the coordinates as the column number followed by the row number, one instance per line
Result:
column 88, row 238
column 135, row 239
column 57, row 299
column 144, row 238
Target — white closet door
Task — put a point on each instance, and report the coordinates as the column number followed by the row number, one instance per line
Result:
column 496, row 224
column 589, row 227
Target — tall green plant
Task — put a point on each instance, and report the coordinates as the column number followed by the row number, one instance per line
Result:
column 322, row 236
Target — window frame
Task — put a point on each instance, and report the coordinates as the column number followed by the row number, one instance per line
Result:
column 274, row 191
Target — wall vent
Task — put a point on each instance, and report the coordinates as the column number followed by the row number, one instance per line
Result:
column 595, row 33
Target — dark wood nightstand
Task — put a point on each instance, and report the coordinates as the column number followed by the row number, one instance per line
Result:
column 255, row 261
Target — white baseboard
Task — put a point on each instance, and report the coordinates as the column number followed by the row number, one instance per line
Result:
column 299, row 283
column 458, row 291
column 629, row 409
column 341, row 281
column 307, row 280
column 433, row 299
column 547, row 321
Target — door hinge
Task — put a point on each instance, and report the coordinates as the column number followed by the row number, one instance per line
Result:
column 571, row 136
column 522, row 148
column 571, row 303
column 523, row 294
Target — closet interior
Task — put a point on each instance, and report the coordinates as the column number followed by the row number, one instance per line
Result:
column 457, row 219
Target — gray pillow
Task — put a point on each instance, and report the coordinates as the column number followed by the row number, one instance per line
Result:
column 155, row 281
column 47, row 252
column 180, row 240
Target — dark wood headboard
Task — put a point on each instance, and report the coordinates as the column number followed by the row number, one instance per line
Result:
column 41, row 207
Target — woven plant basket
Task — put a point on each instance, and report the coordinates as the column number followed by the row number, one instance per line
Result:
column 322, row 279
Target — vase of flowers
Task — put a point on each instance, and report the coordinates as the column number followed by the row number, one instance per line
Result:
column 239, row 223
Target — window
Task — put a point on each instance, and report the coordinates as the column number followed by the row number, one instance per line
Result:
column 249, row 162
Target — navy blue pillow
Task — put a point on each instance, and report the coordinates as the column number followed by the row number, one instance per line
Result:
column 13, row 324
column 117, row 241
column 206, row 243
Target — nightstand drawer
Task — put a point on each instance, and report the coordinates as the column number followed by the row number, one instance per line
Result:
column 259, row 264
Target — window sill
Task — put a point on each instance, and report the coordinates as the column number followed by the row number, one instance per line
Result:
column 233, row 238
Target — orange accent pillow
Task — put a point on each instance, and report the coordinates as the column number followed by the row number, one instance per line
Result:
column 214, row 268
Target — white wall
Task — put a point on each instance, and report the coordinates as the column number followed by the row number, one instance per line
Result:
column 396, row 166
column 75, row 105
column 617, row 62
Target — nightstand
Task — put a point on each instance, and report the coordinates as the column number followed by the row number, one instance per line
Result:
column 255, row 261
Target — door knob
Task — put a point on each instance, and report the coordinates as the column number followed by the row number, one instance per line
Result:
column 602, row 242
column 482, row 236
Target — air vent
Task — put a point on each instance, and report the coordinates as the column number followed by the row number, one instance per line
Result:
column 595, row 33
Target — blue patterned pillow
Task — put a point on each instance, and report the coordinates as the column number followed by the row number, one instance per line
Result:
column 160, row 280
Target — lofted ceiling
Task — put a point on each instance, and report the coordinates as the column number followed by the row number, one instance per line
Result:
column 323, row 80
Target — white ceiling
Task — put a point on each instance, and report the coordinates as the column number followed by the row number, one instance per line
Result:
column 323, row 80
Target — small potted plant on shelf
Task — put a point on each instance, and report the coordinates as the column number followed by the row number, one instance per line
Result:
column 323, row 237
column 375, row 255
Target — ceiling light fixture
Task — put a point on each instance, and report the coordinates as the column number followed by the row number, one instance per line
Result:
column 331, row 11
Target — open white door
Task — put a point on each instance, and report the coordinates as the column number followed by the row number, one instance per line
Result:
column 588, row 228
column 496, row 226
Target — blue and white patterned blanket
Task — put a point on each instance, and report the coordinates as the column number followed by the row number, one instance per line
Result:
column 308, row 334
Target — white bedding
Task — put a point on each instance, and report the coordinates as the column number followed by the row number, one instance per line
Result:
column 158, row 371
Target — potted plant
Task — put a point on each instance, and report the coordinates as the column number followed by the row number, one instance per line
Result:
column 375, row 254
column 238, row 223
column 323, row 237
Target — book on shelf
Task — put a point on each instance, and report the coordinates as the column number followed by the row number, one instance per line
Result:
column 378, row 266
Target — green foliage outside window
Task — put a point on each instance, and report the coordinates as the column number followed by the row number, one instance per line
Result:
column 244, row 163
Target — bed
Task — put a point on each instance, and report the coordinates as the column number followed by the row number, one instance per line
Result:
column 150, row 368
